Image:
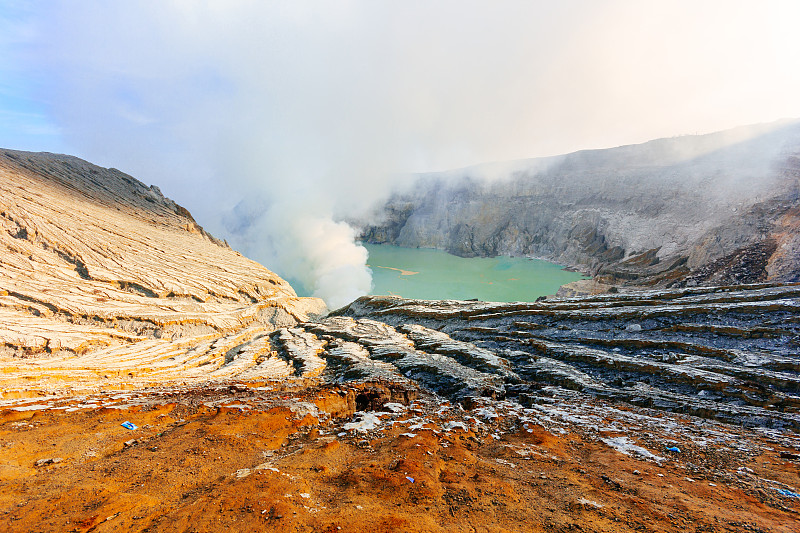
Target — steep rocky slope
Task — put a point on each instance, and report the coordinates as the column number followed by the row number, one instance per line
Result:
column 709, row 209
column 104, row 278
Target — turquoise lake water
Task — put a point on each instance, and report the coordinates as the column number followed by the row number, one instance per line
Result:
column 436, row 275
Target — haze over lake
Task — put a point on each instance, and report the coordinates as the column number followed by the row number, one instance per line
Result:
column 436, row 275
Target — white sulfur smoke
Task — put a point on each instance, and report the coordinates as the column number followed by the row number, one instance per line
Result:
column 318, row 254
column 273, row 120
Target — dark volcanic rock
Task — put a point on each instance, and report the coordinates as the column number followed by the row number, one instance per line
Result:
column 728, row 353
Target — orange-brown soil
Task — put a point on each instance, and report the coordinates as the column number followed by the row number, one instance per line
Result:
column 281, row 460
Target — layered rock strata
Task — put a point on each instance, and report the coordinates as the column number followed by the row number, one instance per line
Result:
column 247, row 408
column 107, row 284
column 103, row 279
column 727, row 353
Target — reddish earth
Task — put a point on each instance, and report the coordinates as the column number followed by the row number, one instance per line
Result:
column 194, row 464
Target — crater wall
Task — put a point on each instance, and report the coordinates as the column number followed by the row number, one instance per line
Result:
column 707, row 209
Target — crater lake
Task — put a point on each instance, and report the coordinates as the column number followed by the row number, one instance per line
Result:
column 436, row 275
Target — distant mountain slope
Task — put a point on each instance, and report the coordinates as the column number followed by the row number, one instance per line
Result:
column 717, row 208
column 96, row 263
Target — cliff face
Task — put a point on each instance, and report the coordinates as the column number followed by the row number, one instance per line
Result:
column 719, row 208
column 99, row 265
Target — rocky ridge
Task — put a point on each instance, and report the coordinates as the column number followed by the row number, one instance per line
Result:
column 694, row 210
column 726, row 353
column 103, row 278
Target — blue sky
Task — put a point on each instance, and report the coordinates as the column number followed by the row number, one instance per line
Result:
column 25, row 122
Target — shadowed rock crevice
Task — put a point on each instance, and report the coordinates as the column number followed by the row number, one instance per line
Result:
column 136, row 288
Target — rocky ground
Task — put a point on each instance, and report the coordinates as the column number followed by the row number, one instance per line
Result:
column 275, row 458
column 660, row 411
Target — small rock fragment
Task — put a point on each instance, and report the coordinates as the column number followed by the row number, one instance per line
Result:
column 589, row 504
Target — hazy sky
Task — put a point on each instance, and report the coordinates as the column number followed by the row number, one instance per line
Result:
column 306, row 109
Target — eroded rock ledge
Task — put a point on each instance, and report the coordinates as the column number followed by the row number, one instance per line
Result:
column 727, row 353
column 103, row 278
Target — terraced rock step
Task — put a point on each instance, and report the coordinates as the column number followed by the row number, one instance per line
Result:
column 437, row 372
column 104, row 282
column 730, row 353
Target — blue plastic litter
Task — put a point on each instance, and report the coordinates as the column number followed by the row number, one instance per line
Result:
column 674, row 449
column 411, row 479
column 129, row 425
column 788, row 493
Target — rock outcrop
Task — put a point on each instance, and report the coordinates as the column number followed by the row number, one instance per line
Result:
column 728, row 353
column 695, row 210
column 103, row 278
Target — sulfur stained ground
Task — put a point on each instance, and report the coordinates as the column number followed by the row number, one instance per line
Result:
column 195, row 466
